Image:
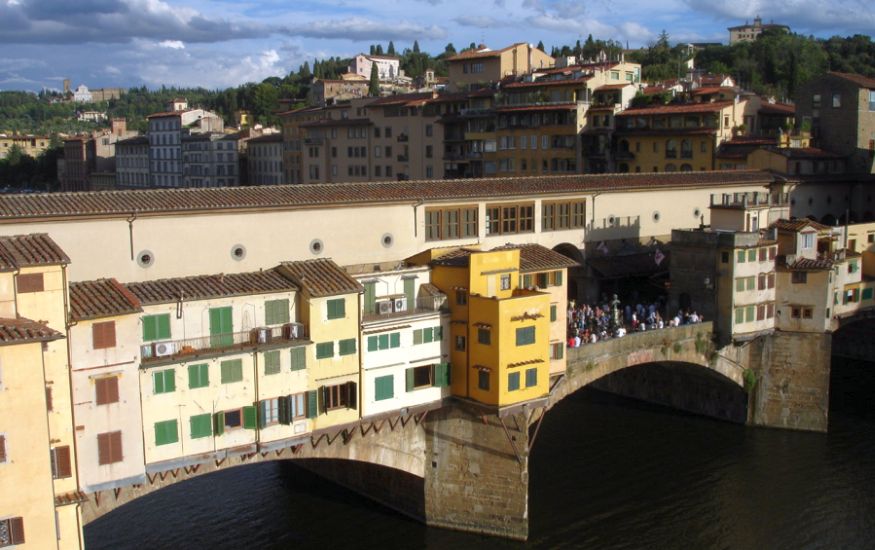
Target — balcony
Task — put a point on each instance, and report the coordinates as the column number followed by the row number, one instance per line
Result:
column 402, row 138
column 314, row 141
column 402, row 158
column 222, row 343
column 753, row 198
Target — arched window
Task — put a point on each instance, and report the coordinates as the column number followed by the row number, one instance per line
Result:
column 686, row 168
column 671, row 149
column 670, row 168
column 686, row 149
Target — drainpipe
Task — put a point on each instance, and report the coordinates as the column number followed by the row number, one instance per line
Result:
column 131, row 220
column 257, row 401
column 361, row 391
column 416, row 206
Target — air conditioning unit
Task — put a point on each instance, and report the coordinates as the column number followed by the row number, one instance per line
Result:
column 164, row 349
column 260, row 335
column 384, row 307
column 292, row 331
column 400, row 304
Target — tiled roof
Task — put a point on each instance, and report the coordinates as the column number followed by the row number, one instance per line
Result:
column 29, row 250
column 534, row 257
column 456, row 258
column 688, row 108
column 401, row 99
column 798, row 224
column 857, row 79
column 337, row 123
column 320, row 277
column 16, row 208
column 808, row 264
column 474, row 54
column 21, row 330
column 276, row 137
column 554, row 107
column 777, row 109
column 101, row 298
column 547, row 83
column 202, row 287
column 613, row 86
column 804, row 153
column 430, row 290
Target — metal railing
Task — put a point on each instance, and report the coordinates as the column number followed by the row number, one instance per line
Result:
column 163, row 349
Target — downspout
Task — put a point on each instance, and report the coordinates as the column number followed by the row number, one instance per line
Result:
column 361, row 390
column 258, row 415
column 131, row 220
column 416, row 206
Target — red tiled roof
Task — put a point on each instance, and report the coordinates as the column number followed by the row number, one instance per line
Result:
column 401, row 99
column 320, row 277
column 29, row 250
column 21, row 330
column 202, row 287
column 797, row 225
column 16, row 208
column 554, row 107
column 474, row 54
column 804, row 153
column 777, row 109
column 613, row 86
column 705, row 91
column 534, row 257
column 101, row 298
column 71, row 497
column 679, row 109
column 546, row 83
column 857, row 79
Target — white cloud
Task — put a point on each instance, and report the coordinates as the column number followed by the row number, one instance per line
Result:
column 172, row 44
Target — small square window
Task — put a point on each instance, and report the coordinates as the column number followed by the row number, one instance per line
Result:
column 484, row 336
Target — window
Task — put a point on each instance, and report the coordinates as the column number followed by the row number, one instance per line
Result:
column 232, row 371
column 543, row 280
column 419, row 377
column 109, row 447
column 276, row 312
column 557, row 351
column 31, row 282
column 563, row 215
column 554, row 312
column 806, row 313
column 799, row 277
column 269, row 412
column 872, row 100
column 294, row 407
column 525, row 336
column 460, row 343
column 509, row 218
column 505, row 282
column 752, row 255
column 763, row 252
column 461, row 297
column 336, row 308
column 513, row 381
column 61, row 467
column 339, row 396
column 164, row 381
column 346, row 347
column 531, row 377
column 324, row 350
column 740, row 255
column 166, row 432
column 103, row 335
column 483, row 380
column 484, row 336
column 156, row 327
column 271, row 362
column 387, row 340
column 299, row 358
column 201, row 425
column 808, row 240
column 2, row 449
column 384, row 387
column 739, row 315
column 836, row 100
column 427, row 335
column 106, row 390
column 11, row 531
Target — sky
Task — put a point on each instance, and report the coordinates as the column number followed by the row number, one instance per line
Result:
column 223, row 43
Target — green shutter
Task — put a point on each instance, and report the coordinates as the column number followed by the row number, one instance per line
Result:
column 372, row 343
column 164, row 381
column 201, row 425
column 409, row 379
column 383, row 341
column 337, row 308
column 410, row 293
column 554, row 312
column 284, row 409
column 198, row 376
column 351, row 395
column 427, row 335
column 221, row 327
column 262, row 414
column 531, row 377
column 370, row 300
column 312, row 404
column 867, row 293
column 324, row 350
column 384, row 387
column 557, row 278
column 441, row 375
column 525, row 336
column 249, row 418
column 438, row 334
column 417, row 337
column 272, row 362
column 299, row 358
column 276, row 312
column 513, row 381
column 395, row 340
column 156, row 327
column 527, row 281
column 219, row 423
column 232, row 371
column 166, row 432
column 347, row 347
column 739, row 257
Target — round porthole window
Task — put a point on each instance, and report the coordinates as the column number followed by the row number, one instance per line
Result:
column 387, row 240
column 696, row 213
column 238, row 252
column 316, row 246
column 656, row 215
column 145, row 258
column 611, row 219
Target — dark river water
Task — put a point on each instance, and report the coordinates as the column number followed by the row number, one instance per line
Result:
column 606, row 473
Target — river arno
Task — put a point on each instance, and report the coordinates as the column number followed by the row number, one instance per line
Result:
column 606, row 473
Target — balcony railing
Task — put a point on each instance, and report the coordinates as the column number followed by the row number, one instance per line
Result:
column 214, row 343
column 402, row 138
column 753, row 198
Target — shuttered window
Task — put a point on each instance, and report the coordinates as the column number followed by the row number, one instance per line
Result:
column 324, row 350
column 61, row 466
column 109, row 447
column 384, row 387
column 103, row 335
column 554, row 312
column 232, row 371
column 2, row 449
column 30, row 282
column 346, row 347
column 49, row 401
column 276, row 312
column 370, row 300
column 106, row 390
column 337, row 308
column 513, row 381
column 156, row 327
column 11, row 531
column 557, row 278
column 166, row 432
column 164, row 381
column 410, row 293
column 531, row 377
column 299, row 358
column 272, row 362
column 525, row 336
column 201, row 425
column 198, row 376
column 442, row 375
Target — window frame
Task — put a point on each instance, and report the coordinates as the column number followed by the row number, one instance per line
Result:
column 106, row 390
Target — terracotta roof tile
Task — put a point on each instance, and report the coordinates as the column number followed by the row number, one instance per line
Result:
column 30, row 250
column 203, row 287
column 857, row 79
column 547, row 83
column 534, row 257
column 122, row 204
column 777, row 109
column 21, row 330
column 401, row 99
column 101, row 298
column 797, row 225
column 320, row 277
column 460, row 257
column 554, row 107
column 678, row 109
column 804, row 153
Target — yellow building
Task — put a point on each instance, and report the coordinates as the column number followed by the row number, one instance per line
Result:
column 500, row 332
column 30, row 145
column 481, row 66
column 330, row 304
column 33, row 286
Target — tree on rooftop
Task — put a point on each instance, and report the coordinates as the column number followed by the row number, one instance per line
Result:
column 374, row 86
column 373, row 49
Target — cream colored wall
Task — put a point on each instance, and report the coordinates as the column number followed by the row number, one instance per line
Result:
column 26, row 488
column 91, row 419
column 816, row 293
column 751, row 297
column 7, row 295
column 286, row 382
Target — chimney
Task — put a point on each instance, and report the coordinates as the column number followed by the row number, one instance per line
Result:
column 119, row 126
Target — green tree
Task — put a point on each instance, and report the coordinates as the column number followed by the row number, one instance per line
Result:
column 415, row 46
column 391, row 49
column 374, row 86
column 379, row 49
column 449, row 49
column 540, row 46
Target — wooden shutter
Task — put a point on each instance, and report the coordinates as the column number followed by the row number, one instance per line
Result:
column 370, row 300
column 408, row 379
column 31, row 282
column 262, row 414
column 441, row 375
column 351, row 395
column 49, row 404
column 106, row 390
column 109, row 447
column 16, row 530
column 2, row 448
column 103, row 335
column 250, row 418
column 395, row 340
column 410, row 293
column 62, row 461
column 312, row 404
column 285, row 409
column 219, row 423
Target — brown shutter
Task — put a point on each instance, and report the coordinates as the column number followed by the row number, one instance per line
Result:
column 103, row 335
column 112, row 389
column 16, row 530
column 106, row 390
column 62, row 461
column 2, row 448
column 115, row 446
column 31, row 282
column 48, row 399
column 104, row 454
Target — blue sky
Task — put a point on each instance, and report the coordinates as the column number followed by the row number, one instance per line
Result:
column 221, row 43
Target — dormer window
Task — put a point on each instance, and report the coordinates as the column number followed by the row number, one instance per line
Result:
column 808, row 240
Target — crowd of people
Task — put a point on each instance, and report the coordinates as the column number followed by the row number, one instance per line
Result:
column 588, row 324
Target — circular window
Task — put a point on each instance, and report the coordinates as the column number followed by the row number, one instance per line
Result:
column 316, row 246
column 145, row 258
column 387, row 240
column 611, row 219
column 238, row 252
column 656, row 215
column 696, row 213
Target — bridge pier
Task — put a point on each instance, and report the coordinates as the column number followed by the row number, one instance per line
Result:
column 476, row 472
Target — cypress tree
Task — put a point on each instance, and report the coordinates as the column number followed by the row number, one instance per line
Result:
column 374, row 87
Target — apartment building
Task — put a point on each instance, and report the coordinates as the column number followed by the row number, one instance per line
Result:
column 87, row 158
column 30, row 145
column 210, row 160
column 132, row 163
column 166, row 131
column 265, row 160
column 481, row 66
